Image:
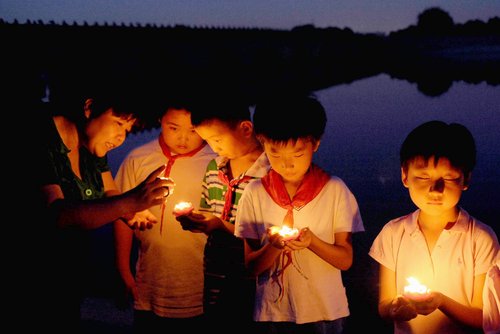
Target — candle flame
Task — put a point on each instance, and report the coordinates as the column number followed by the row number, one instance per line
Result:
column 414, row 286
column 284, row 231
column 182, row 206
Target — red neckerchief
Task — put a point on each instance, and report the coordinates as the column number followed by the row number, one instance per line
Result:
column 313, row 182
column 171, row 158
column 170, row 161
column 311, row 185
column 231, row 188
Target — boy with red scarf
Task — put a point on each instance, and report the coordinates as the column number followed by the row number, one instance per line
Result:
column 229, row 289
column 167, row 287
column 299, row 282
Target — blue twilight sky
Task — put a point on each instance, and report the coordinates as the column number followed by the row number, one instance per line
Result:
column 359, row 15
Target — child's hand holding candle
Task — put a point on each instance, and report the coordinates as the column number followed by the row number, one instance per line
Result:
column 415, row 291
column 287, row 233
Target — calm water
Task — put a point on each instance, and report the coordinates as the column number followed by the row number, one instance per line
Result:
column 367, row 121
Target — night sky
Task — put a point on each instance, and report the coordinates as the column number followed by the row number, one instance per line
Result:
column 359, row 15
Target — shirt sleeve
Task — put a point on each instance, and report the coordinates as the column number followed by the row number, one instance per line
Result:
column 206, row 184
column 382, row 248
column 245, row 223
column 491, row 300
column 125, row 176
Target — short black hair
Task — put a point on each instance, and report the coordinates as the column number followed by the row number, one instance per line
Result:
column 283, row 118
column 230, row 111
column 177, row 101
column 125, row 100
column 438, row 139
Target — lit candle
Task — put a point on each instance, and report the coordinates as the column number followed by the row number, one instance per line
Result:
column 286, row 232
column 183, row 208
column 415, row 290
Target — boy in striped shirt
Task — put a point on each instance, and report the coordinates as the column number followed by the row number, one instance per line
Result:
column 229, row 289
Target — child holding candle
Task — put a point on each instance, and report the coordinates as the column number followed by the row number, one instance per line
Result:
column 299, row 281
column 227, row 127
column 440, row 244
column 168, row 285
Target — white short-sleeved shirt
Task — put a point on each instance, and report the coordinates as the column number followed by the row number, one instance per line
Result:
column 314, row 290
column 169, row 268
column 491, row 299
column 465, row 250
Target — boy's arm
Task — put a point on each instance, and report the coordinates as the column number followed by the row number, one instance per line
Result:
column 226, row 226
column 122, row 233
column 396, row 307
column 390, row 305
column 339, row 254
column 469, row 315
column 204, row 222
column 123, row 246
column 258, row 259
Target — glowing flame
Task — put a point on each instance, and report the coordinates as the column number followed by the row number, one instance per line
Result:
column 183, row 205
column 415, row 287
column 183, row 208
column 285, row 231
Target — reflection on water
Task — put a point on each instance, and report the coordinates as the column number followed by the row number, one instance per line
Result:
column 369, row 119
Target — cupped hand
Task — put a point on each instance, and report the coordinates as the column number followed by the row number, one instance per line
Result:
column 199, row 222
column 402, row 309
column 142, row 220
column 427, row 304
column 302, row 241
column 275, row 239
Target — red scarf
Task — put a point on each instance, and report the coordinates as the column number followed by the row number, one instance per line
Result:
column 311, row 185
column 313, row 182
column 231, row 185
column 170, row 161
column 171, row 158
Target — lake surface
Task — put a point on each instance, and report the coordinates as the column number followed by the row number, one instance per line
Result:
column 367, row 122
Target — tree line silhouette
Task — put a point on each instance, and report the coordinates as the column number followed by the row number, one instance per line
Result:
column 156, row 62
